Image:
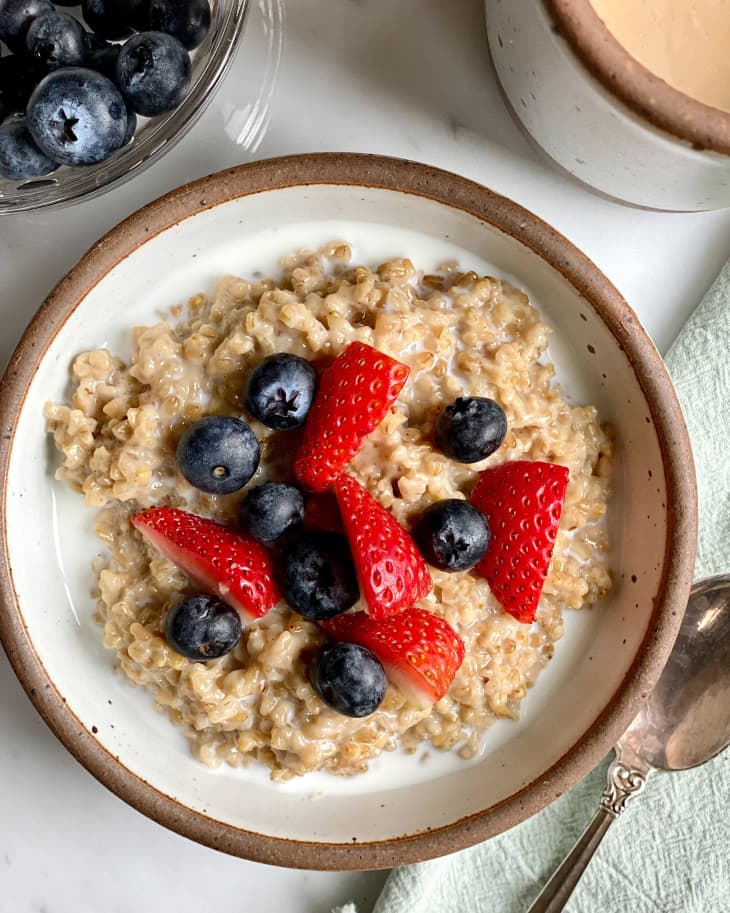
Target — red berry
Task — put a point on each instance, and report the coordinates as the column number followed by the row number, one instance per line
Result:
column 420, row 652
column 392, row 572
column 522, row 502
column 354, row 395
column 234, row 566
column 322, row 512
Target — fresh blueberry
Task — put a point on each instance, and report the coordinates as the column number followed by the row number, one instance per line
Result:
column 20, row 158
column 202, row 627
column 115, row 19
column 470, row 428
column 108, row 18
column 272, row 509
column 452, row 535
column 218, row 454
column 56, row 40
column 280, row 391
column 17, row 81
column 16, row 17
column 349, row 678
column 131, row 128
column 137, row 13
column 153, row 72
column 186, row 20
column 97, row 42
column 104, row 60
column 77, row 116
column 319, row 579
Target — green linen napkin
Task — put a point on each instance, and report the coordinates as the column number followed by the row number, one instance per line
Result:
column 669, row 851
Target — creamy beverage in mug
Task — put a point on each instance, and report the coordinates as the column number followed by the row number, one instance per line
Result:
column 685, row 42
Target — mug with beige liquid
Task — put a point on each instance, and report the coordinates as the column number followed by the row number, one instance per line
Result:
column 685, row 42
column 630, row 96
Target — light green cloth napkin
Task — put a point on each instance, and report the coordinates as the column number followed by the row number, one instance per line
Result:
column 669, row 852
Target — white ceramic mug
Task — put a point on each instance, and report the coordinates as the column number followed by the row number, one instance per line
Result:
column 600, row 114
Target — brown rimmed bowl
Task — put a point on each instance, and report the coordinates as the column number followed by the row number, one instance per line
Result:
column 602, row 115
column 400, row 811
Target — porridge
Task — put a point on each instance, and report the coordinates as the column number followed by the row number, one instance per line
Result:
column 460, row 335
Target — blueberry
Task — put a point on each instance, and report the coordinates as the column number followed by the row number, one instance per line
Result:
column 108, row 18
column 272, row 509
column 470, row 428
column 280, row 391
column 218, row 454
column 131, row 128
column 349, row 678
column 77, row 116
column 98, row 43
column 104, row 60
column 137, row 14
column 186, row 20
column 202, row 627
column 17, row 81
column 452, row 535
column 56, row 40
column 16, row 17
column 20, row 158
column 115, row 19
column 319, row 579
column 153, row 72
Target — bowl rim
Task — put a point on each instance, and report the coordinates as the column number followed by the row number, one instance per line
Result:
column 445, row 188
column 704, row 127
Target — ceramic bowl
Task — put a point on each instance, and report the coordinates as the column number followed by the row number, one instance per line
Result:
column 154, row 136
column 401, row 810
column 600, row 114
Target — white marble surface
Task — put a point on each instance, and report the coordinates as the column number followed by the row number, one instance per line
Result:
column 410, row 79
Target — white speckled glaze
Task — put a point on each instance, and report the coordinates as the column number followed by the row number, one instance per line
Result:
column 586, row 129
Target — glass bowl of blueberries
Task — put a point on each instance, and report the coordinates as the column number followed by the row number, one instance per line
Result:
column 92, row 93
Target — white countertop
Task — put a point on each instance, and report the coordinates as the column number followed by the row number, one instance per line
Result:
column 409, row 79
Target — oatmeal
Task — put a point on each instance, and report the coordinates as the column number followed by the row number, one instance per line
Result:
column 460, row 335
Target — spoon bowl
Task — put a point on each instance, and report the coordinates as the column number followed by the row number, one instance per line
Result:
column 684, row 722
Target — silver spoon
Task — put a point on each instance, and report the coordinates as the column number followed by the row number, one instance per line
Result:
column 685, row 722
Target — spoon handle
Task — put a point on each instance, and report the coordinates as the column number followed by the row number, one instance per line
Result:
column 624, row 782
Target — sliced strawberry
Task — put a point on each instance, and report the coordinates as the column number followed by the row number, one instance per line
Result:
column 420, row 652
column 522, row 502
column 354, row 395
column 234, row 566
column 322, row 512
column 392, row 572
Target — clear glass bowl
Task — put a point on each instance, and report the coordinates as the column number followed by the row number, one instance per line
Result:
column 154, row 136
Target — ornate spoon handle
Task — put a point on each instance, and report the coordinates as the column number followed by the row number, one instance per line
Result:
column 624, row 782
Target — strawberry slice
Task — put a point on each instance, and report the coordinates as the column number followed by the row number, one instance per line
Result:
column 522, row 502
column 392, row 572
column 354, row 395
column 420, row 652
column 322, row 512
column 234, row 566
